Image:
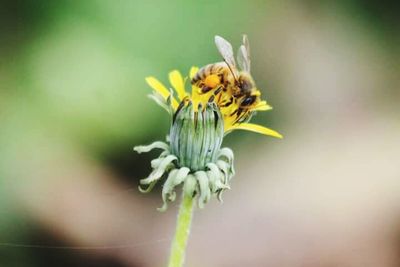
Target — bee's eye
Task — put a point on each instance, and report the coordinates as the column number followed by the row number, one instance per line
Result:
column 248, row 101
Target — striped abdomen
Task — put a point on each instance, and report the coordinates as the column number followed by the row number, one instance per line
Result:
column 211, row 76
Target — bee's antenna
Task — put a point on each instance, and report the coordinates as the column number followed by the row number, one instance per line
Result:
column 233, row 74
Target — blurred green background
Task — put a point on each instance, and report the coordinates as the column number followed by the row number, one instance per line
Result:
column 73, row 104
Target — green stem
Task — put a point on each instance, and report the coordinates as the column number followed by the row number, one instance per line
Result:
column 178, row 248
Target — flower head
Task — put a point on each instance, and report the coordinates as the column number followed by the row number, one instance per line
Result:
column 192, row 154
column 161, row 94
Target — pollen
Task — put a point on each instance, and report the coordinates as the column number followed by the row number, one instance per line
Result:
column 212, row 80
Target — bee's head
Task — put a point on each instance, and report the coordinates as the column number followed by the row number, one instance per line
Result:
column 245, row 82
column 251, row 95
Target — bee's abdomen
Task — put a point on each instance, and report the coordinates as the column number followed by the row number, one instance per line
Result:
column 207, row 70
column 201, row 74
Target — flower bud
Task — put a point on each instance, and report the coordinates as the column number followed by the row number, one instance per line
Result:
column 196, row 135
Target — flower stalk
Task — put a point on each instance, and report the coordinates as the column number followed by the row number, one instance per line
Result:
column 185, row 215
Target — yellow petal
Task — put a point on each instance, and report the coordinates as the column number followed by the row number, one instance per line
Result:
column 255, row 128
column 193, row 72
column 161, row 89
column 262, row 106
column 176, row 80
column 228, row 123
column 158, row 86
column 195, row 93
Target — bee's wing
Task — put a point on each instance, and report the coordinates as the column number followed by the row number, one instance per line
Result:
column 246, row 45
column 226, row 51
column 243, row 60
column 243, row 56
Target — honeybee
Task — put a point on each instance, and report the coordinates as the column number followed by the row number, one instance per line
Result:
column 228, row 84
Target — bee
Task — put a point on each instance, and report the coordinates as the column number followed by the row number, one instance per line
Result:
column 228, row 84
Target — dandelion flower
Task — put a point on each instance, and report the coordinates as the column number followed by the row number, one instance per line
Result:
column 192, row 153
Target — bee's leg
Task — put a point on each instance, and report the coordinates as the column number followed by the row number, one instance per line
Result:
column 239, row 114
column 227, row 104
column 243, row 115
column 205, row 89
column 240, row 110
column 233, row 113
column 217, row 91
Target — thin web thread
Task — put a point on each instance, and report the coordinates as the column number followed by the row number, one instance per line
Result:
column 105, row 247
column 145, row 243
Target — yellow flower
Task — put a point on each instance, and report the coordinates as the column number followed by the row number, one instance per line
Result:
column 161, row 94
column 192, row 155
